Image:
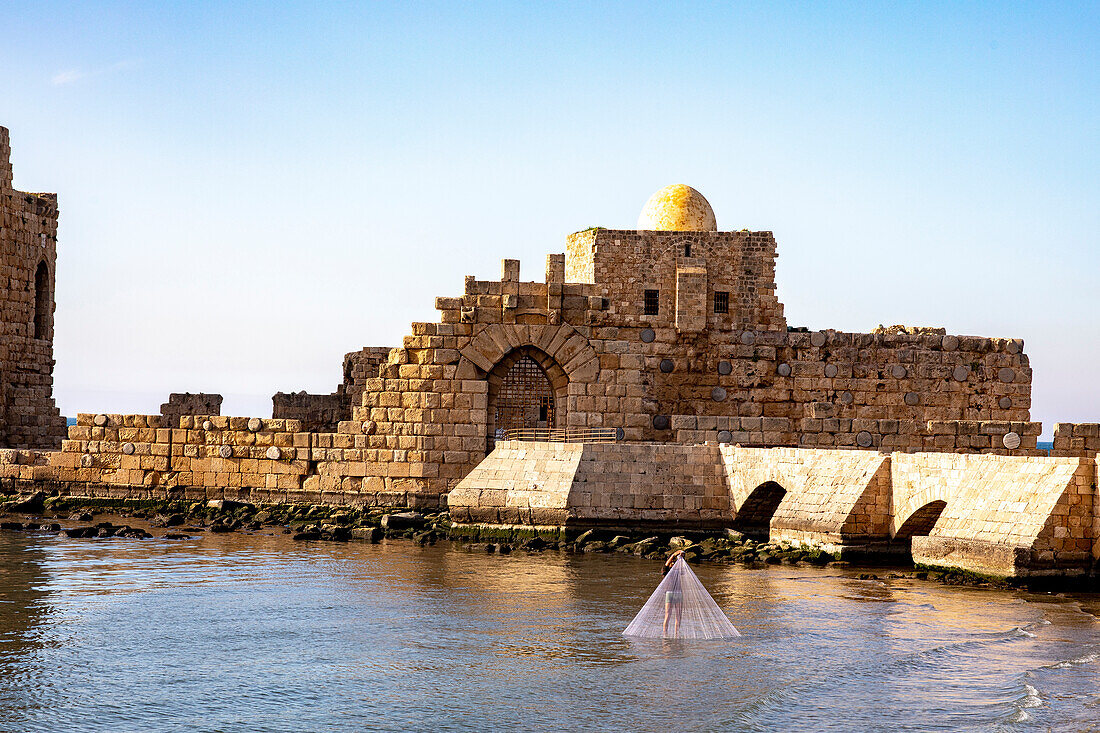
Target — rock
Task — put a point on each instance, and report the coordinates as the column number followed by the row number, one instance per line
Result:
column 679, row 543
column 80, row 517
column 175, row 536
column 424, row 538
column 504, row 549
column 838, row 564
column 338, row 534
column 535, row 544
column 594, row 547
column 618, row 541
column 308, row 535
column 226, row 505
column 219, row 528
column 734, row 536
column 105, row 532
column 28, row 503
column 168, row 520
column 585, row 537
column 403, row 520
column 12, row 526
column 367, row 534
column 262, row 517
column 80, row 532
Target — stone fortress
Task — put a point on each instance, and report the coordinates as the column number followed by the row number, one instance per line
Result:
column 650, row 380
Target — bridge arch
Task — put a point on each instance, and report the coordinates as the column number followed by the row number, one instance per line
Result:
column 755, row 514
column 921, row 522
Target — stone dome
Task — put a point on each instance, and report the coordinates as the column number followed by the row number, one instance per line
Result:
column 677, row 208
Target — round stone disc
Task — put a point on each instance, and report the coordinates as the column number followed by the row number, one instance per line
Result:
column 899, row 371
column 620, row 434
column 961, row 373
column 255, row 424
column 817, row 338
column 847, row 398
column 783, row 370
column 748, row 338
column 718, row 394
column 1005, row 403
column 87, row 460
column 660, row 422
column 368, row 427
column 648, row 335
column 864, row 439
column 100, row 421
column 949, row 343
column 128, row 448
column 273, row 453
column 225, row 451
column 666, row 365
column 831, row 370
column 724, row 436
column 912, row 398
column 1011, row 441
column 724, row 367
column 1013, row 347
column 1005, row 374
column 207, row 425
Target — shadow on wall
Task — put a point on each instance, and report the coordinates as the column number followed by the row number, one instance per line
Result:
column 755, row 515
column 919, row 523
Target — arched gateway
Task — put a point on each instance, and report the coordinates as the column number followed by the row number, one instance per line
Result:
column 526, row 390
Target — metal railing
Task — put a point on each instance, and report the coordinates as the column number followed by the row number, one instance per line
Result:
column 565, row 435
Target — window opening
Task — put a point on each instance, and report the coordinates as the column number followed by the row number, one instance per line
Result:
column 721, row 302
column 652, row 302
column 687, row 249
column 41, row 300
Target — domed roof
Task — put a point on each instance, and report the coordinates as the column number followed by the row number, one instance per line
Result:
column 677, row 208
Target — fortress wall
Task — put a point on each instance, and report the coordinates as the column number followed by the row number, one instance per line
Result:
column 316, row 412
column 28, row 239
column 612, row 486
column 1001, row 514
column 1076, row 439
column 832, row 499
column 188, row 403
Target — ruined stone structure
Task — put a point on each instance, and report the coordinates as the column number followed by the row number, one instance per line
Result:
column 323, row 413
column 28, row 262
column 670, row 339
column 187, row 403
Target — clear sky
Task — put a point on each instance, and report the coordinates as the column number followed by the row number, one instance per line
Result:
column 250, row 190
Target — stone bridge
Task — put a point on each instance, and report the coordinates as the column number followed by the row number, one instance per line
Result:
column 1003, row 515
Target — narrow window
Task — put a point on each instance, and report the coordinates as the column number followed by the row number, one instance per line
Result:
column 721, row 302
column 652, row 299
column 41, row 300
column 687, row 249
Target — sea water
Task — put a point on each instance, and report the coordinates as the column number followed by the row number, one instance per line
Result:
column 256, row 632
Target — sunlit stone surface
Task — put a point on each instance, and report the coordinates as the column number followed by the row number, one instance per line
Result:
column 677, row 208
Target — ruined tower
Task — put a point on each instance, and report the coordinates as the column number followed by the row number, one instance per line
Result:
column 28, row 260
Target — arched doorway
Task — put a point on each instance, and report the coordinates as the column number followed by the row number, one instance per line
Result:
column 755, row 515
column 526, row 390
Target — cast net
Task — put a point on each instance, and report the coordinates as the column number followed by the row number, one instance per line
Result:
column 681, row 608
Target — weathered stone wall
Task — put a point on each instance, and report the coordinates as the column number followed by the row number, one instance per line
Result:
column 559, row 484
column 190, row 403
column 1076, row 439
column 323, row 413
column 28, row 260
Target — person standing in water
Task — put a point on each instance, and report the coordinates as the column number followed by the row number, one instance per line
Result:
column 674, row 596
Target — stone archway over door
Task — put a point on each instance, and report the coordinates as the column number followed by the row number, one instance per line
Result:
column 526, row 390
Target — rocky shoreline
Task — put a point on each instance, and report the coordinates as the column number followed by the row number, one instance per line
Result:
column 322, row 523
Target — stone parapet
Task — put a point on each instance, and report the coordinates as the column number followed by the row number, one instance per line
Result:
column 1076, row 439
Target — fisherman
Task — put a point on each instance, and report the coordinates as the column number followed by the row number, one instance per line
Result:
column 674, row 596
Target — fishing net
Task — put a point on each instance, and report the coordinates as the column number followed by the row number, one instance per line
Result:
column 681, row 608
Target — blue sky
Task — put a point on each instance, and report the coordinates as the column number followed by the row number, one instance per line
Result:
column 250, row 190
